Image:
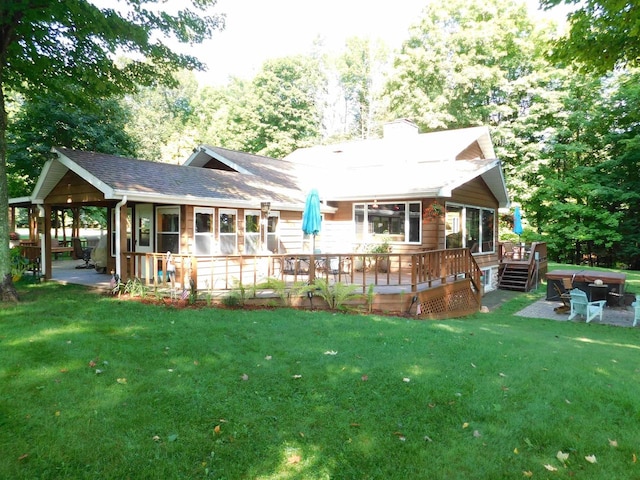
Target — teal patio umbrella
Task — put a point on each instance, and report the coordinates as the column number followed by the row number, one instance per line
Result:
column 311, row 218
column 517, row 222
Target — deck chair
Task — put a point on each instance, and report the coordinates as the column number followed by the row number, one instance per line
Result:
column 580, row 305
column 563, row 294
column 339, row 268
column 636, row 310
column 81, row 253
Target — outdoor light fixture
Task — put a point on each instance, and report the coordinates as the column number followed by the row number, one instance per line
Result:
column 265, row 207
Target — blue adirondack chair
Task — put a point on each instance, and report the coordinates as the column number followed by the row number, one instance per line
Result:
column 580, row 305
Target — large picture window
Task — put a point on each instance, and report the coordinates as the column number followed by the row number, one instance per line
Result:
column 396, row 222
column 470, row 227
column 168, row 236
column 204, row 233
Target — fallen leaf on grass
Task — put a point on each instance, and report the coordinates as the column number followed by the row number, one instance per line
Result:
column 477, row 434
column 64, row 370
column 563, row 457
column 216, row 429
column 502, row 374
column 465, row 425
column 527, row 473
column 427, row 438
column 121, row 381
column 268, row 357
column 23, row 456
column 551, row 468
column 613, row 443
column 473, row 365
column 591, row 459
column 173, row 437
column 406, row 379
column 515, row 450
column 296, row 376
column 330, row 352
column 156, row 438
column 293, row 459
column 634, row 459
column 364, row 378
column 244, row 377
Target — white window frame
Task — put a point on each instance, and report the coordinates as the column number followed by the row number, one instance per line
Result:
column 252, row 240
column 459, row 225
column 170, row 210
column 273, row 237
column 227, row 235
column 206, row 238
column 371, row 207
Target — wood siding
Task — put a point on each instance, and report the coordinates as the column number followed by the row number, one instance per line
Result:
column 73, row 190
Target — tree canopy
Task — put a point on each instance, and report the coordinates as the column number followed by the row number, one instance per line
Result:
column 603, row 35
column 70, row 48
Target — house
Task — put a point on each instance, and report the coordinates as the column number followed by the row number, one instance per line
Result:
column 417, row 192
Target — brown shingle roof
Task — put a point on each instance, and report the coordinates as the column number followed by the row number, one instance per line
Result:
column 132, row 176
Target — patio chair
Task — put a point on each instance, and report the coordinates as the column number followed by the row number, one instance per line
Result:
column 81, row 253
column 580, row 305
column 636, row 310
column 563, row 294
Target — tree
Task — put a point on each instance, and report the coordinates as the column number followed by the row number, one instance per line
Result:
column 463, row 62
column 281, row 110
column 69, row 47
column 603, row 34
column 47, row 120
column 360, row 70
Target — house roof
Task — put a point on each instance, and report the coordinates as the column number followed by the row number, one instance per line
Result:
column 405, row 165
column 400, row 166
column 140, row 180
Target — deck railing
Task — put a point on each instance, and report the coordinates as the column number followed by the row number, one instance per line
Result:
column 407, row 271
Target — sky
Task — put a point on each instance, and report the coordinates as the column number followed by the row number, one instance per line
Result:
column 258, row 30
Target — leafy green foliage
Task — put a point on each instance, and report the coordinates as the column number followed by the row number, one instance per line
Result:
column 603, row 35
column 335, row 294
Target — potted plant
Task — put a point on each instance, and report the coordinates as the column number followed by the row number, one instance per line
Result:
column 382, row 262
column 432, row 212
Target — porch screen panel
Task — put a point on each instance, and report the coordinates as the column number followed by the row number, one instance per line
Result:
column 273, row 240
column 488, row 226
column 252, row 233
column 228, row 232
column 472, row 231
column 453, row 227
column 204, row 231
column 470, row 227
column 127, row 226
column 168, row 236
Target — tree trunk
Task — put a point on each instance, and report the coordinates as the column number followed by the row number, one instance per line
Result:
column 8, row 291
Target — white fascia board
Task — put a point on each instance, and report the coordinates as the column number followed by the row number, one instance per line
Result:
column 86, row 176
column 226, row 161
column 210, row 202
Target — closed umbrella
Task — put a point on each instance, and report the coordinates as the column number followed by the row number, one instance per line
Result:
column 517, row 221
column 311, row 218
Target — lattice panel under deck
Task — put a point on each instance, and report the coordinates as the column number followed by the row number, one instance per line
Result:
column 448, row 303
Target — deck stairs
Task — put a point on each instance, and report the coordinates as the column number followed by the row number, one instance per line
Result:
column 514, row 276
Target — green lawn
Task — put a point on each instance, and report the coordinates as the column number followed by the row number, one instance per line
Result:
column 99, row 388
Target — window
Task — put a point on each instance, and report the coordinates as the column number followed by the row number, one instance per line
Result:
column 273, row 240
column 168, row 235
column 204, row 233
column 397, row 222
column 252, row 232
column 228, row 231
column 470, row 227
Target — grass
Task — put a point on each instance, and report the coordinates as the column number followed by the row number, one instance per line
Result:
column 96, row 387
